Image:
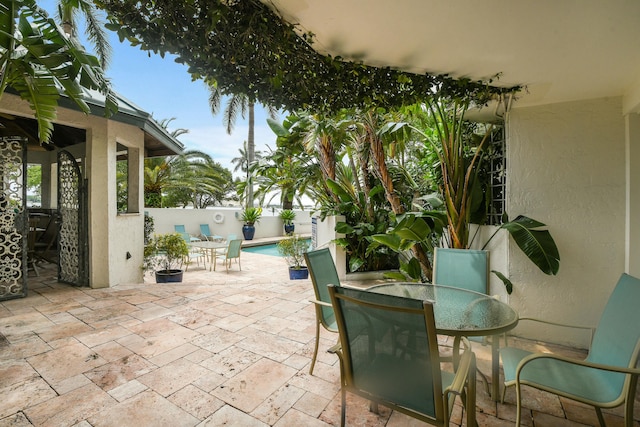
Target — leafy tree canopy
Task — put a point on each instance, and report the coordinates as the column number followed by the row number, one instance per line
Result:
column 244, row 48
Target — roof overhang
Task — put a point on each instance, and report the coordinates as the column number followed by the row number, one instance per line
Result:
column 157, row 141
column 561, row 51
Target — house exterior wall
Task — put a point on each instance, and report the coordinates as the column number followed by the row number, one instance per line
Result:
column 566, row 168
column 111, row 235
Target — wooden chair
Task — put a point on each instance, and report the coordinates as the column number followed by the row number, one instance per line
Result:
column 31, row 245
column 607, row 378
column 388, row 354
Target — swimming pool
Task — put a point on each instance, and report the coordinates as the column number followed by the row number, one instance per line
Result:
column 270, row 249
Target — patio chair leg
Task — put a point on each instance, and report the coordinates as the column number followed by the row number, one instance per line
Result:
column 600, row 417
column 315, row 350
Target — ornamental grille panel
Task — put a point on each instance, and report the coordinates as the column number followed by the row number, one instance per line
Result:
column 72, row 249
column 13, row 224
column 496, row 153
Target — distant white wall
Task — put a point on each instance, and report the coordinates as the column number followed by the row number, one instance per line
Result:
column 566, row 168
column 269, row 225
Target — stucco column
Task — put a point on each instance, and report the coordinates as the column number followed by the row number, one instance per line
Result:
column 101, row 174
column 632, row 244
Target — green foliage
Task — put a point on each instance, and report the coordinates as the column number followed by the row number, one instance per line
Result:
column 360, row 225
column 287, row 216
column 424, row 229
column 535, row 243
column 190, row 179
column 244, row 48
column 293, row 249
column 37, row 60
column 165, row 252
column 251, row 215
column 149, row 227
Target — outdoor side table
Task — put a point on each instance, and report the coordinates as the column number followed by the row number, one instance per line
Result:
column 460, row 312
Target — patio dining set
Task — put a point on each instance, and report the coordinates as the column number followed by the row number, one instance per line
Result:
column 211, row 247
column 389, row 353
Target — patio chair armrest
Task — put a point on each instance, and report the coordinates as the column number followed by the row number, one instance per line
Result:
column 335, row 349
column 591, row 329
column 322, row 303
column 465, row 375
column 466, row 369
column 536, row 356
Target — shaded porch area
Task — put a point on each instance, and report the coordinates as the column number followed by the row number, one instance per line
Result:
column 218, row 349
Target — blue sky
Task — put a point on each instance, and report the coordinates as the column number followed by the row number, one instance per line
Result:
column 163, row 87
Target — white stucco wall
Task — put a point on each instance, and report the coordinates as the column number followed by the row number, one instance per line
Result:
column 566, row 168
column 269, row 225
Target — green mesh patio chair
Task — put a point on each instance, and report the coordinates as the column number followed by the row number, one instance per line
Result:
column 179, row 228
column 467, row 269
column 322, row 271
column 194, row 253
column 607, row 378
column 389, row 355
column 205, row 232
column 232, row 252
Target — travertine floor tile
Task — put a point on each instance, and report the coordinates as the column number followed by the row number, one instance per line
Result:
column 145, row 409
column 252, row 386
column 217, row 349
column 229, row 416
column 173, row 376
column 70, row 408
column 65, row 362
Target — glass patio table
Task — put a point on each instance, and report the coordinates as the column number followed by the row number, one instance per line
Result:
column 460, row 312
column 211, row 247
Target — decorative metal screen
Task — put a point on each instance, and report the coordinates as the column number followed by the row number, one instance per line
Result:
column 13, row 224
column 497, row 176
column 72, row 243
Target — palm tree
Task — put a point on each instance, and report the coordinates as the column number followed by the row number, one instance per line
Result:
column 68, row 11
column 242, row 161
column 239, row 103
column 198, row 180
column 157, row 173
column 36, row 59
column 164, row 123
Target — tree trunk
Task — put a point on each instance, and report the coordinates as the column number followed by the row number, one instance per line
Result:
column 380, row 166
column 251, row 152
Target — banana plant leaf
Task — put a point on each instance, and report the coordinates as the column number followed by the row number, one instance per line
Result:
column 536, row 244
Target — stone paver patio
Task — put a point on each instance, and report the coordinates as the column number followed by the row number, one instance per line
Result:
column 218, row 349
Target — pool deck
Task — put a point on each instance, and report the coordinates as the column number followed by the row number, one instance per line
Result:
column 222, row 348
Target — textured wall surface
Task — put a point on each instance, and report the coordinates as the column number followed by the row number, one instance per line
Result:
column 566, row 168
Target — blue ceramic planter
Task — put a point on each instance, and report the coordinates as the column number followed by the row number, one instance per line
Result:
column 248, row 231
column 169, row 276
column 297, row 274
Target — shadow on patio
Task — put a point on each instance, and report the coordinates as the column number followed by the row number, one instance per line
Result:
column 219, row 349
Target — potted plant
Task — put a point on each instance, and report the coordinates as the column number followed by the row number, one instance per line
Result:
column 293, row 249
column 287, row 216
column 165, row 255
column 250, row 216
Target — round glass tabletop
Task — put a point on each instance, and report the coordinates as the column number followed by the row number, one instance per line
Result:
column 457, row 311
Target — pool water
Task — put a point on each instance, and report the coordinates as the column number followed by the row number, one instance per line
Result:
column 271, row 249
